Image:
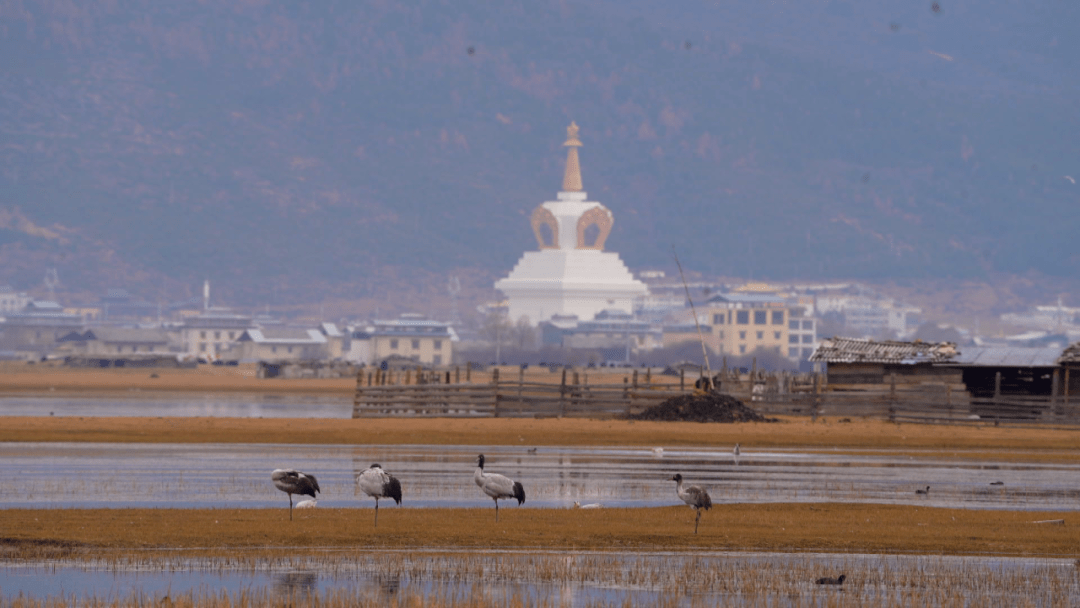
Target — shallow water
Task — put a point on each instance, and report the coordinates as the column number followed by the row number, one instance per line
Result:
column 574, row 578
column 49, row 475
column 138, row 403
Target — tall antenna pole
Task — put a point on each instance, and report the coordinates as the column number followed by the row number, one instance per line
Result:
column 701, row 338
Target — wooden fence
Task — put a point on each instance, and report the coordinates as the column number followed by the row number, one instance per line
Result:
column 519, row 398
column 451, row 393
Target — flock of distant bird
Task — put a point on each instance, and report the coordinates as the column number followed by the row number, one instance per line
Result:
column 377, row 483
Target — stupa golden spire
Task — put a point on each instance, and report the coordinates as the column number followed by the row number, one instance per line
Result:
column 572, row 178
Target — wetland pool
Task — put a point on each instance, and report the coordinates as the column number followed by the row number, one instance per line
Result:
column 559, row 578
column 96, row 475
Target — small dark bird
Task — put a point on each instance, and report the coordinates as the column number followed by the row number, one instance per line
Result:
column 292, row 482
column 687, row 45
column 377, row 483
column 935, row 7
column 694, row 496
column 471, row 50
column 997, row 483
column 825, row 580
column 921, row 491
column 497, row 486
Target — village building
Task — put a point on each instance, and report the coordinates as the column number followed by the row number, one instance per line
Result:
column 116, row 341
column 278, row 344
column 744, row 322
column 411, row 337
column 210, row 333
column 571, row 274
column 12, row 301
column 33, row 331
column 615, row 334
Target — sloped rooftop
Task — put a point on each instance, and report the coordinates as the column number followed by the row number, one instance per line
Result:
column 859, row 350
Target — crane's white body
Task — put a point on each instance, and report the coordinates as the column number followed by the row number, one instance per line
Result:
column 377, row 483
column 497, row 486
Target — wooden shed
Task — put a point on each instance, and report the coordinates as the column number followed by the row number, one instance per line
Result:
column 861, row 364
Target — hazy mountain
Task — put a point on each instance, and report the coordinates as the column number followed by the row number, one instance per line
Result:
column 296, row 148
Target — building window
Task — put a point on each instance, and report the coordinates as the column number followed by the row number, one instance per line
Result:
column 793, row 339
column 290, row 349
column 760, row 335
column 807, row 339
column 202, row 347
column 436, row 360
column 202, row 334
column 776, row 335
column 760, row 316
column 393, row 344
column 232, row 335
column 273, row 349
column 793, row 353
column 438, row 345
column 742, row 317
column 217, row 335
column 793, row 325
column 742, row 349
column 416, row 344
column 808, row 324
column 718, row 319
column 777, row 317
column 742, row 335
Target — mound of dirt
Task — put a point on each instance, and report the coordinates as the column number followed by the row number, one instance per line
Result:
column 708, row 407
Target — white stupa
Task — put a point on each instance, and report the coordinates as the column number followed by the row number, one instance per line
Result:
column 571, row 274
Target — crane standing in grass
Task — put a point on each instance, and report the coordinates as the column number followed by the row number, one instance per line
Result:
column 694, row 496
column 377, row 483
column 292, row 482
column 497, row 486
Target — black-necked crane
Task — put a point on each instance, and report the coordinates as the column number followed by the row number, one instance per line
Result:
column 922, row 491
column 292, row 482
column 377, row 483
column 736, row 453
column 694, row 496
column 826, row 580
column 497, row 486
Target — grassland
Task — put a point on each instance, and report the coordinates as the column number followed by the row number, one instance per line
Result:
column 855, row 436
column 836, row 528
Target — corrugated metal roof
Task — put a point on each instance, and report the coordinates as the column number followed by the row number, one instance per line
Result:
column 1007, row 356
column 1071, row 354
column 858, row 350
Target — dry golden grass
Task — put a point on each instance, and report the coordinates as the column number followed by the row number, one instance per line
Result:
column 752, row 527
column 43, row 378
column 1023, row 444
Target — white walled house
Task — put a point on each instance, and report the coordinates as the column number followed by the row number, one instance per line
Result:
column 211, row 333
column 279, row 344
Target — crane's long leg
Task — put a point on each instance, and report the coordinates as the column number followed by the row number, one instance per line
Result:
column 697, row 520
column 496, row 510
column 376, row 511
column 290, row 507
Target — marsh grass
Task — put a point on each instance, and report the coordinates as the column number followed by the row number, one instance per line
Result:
column 863, row 528
column 408, row 578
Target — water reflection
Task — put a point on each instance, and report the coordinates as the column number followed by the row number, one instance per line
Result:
column 238, row 475
column 564, row 578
